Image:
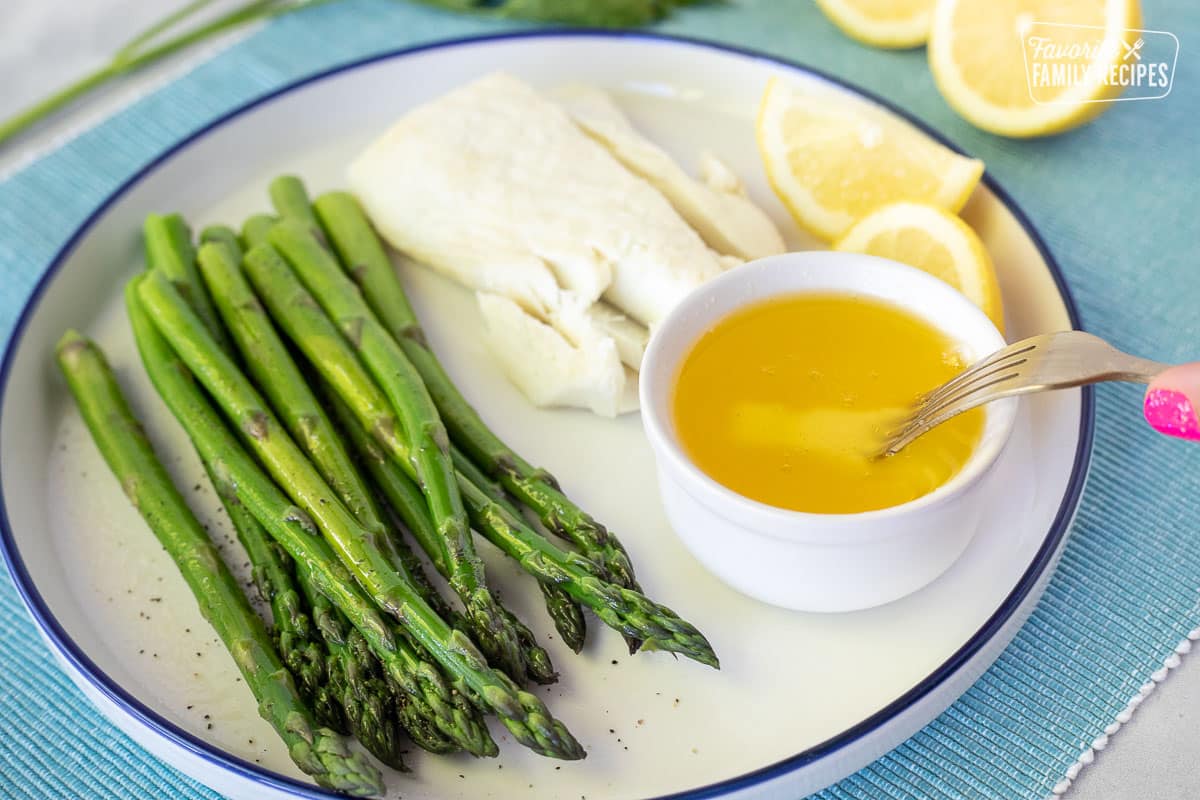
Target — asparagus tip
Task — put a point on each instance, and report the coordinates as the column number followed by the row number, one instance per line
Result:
column 344, row 769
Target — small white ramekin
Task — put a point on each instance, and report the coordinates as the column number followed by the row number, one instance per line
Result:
column 819, row 562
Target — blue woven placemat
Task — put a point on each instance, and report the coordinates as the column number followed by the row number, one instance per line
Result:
column 1115, row 201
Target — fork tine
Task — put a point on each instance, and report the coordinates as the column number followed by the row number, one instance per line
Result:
column 933, row 409
column 979, row 375
column 1016, row 349
column 931, row 415
column 903, row 438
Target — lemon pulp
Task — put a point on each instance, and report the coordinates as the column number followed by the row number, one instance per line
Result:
column 981, row 57
column 832, row 158
column 935, row 241
column 786, row 401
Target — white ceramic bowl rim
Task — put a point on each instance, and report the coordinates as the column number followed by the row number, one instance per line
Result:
column 66, row 648
column 834, row 271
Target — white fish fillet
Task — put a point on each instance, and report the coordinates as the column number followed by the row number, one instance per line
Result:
column 548, row 368
column 716, row 206
column 631, row 337
column 495, row 186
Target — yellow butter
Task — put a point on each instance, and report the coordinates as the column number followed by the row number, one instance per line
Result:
column 787, row 401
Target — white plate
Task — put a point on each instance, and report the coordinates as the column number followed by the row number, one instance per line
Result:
column 801, row 700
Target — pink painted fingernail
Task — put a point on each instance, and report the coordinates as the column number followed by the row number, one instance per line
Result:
column 1170, row 412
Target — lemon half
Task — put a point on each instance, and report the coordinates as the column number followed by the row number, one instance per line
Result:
column 935, row 241
column 982, row 53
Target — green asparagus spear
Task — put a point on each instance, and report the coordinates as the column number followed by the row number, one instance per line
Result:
column 324, row 700
column 360, row 690
column 363, row 257
column 525, row 716
column 502, row 524
column 537, row 660
column 294, row 309
column 168, row 242
column 300, row 538
column 329, row 693
column 420, row 719
column 290, row 199
column 321, row 753
column 438, row 718
column 272, row 369
column 540, row 668
column 277, row 375
column 169, row 248
column 421, row 427
column 405, row 501
column 625, row 610
column 271, row 569
column 275, row 372
column 256, row 229
column 293, row 633
column 425, row 717
column 416, row 571
column 220, row 234
column 565, row 613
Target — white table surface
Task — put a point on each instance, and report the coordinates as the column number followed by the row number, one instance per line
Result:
column 45, row 43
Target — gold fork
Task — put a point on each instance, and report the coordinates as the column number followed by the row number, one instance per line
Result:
column 1037, row 364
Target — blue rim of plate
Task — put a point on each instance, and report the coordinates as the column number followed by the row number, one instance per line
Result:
column 196, row 746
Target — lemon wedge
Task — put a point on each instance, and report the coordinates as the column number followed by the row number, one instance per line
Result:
column 881, row 23
column 930, row 239
column 981, row 56
column 833, row 158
